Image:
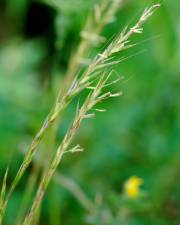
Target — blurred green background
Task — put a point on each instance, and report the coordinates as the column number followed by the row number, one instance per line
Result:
column 138, row 135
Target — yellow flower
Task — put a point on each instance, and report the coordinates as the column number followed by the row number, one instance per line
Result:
column 132, row 186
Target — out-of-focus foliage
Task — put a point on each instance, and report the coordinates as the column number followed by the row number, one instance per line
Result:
column 138, row 135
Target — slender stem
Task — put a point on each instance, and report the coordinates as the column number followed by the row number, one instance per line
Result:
column 89, row 103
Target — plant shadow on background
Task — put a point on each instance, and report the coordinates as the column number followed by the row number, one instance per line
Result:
column 129, row 170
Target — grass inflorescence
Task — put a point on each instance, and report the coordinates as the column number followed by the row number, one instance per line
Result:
column 95, row 78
